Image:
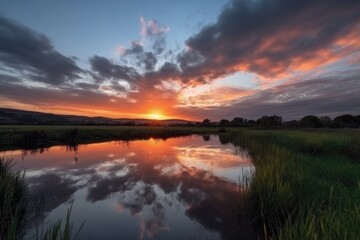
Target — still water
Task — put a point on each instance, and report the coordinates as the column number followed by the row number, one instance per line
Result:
column 179, row 188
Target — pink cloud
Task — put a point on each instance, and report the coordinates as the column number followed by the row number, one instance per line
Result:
column 151, row 28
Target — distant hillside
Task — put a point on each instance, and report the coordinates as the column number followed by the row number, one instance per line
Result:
column 14, row 116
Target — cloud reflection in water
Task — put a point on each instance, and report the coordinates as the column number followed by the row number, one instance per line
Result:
column 166, row 186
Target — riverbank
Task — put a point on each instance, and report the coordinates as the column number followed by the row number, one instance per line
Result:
column 306, row 185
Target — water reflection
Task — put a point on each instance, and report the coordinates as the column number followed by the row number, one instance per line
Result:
column 181, row 188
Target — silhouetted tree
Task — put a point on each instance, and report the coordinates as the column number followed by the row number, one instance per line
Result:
column 326, row 121
column 237, row 122
column 269, row 121
column 357, row 120
column 292, row 124
column 311, row 121
column 346, row 120
column 251, row 122
column 325, row 118
column 206, row 122
column 224, row 123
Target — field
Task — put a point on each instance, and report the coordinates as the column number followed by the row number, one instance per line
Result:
column 306, row 185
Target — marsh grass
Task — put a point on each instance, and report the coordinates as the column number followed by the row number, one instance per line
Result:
column 12, row 201
column 13, row 209
column 59, row 230
column 306, row 184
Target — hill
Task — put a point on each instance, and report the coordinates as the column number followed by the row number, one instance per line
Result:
column 14, row 116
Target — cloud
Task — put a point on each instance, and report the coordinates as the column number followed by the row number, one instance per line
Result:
column 27, row 57
column 272, row 38
column 217, row 97
column 145, row 53
column 106, row 69
column 7, row 78
column 154, row 33
column 105, row 186
column 330, row 95
column 138, row 56
column 151, row 28
column 32, row 55
column 56, row 190
column 149, row 61
column 277, row 40
column 167, row 72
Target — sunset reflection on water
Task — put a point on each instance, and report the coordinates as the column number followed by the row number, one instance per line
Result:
column 180, row 188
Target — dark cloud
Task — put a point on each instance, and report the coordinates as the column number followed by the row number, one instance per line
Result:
column 271, row 37
column 45, row 97
column 190, row 59
column 106, row 69
column 168, row 71
column 159, row 45
column 87, row 86
column 136, row 48
column 149, row 61
column 9, row 79
column 32, row 54
column 137, row 55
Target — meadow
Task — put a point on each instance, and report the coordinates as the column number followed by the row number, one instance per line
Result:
column 306, row 184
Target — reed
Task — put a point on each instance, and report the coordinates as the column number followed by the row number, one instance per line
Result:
column 306, row 184
column 13, row 209
column 60, row 230
column 12, row 201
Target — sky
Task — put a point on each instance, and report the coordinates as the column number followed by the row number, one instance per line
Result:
column 181, row 59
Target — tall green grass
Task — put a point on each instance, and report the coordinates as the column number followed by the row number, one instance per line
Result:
column 12, row 201
column 59, row 230
column 13, row 209
column 306, row 184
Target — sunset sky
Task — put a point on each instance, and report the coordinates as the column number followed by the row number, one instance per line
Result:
column 181, row 59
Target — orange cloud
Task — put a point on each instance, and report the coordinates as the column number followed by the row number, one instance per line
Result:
column 216, row 97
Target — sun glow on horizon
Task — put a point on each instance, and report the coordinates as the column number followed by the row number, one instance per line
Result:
column 155, row 116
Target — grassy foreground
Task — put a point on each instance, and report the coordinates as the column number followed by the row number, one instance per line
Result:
column 306, row 185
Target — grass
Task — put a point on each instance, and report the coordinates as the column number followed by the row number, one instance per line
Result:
column 306, row 185
column 58, row 231
column 13, row 206
column 12, row 201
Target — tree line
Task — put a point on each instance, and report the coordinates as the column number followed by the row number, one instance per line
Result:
column 275, row 121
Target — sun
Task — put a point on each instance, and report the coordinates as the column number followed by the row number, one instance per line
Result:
column 155, row 116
